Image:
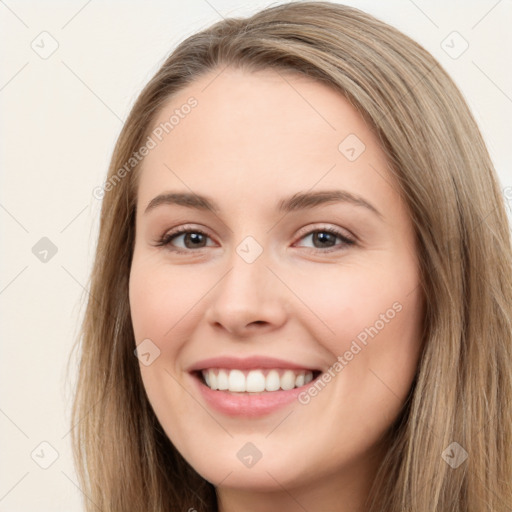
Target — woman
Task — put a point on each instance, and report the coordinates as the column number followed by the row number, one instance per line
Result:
column 227, row 366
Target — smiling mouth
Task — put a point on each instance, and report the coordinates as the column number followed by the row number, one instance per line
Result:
column 256, row 380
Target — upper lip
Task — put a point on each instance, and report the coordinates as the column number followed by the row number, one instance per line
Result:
column 247, row 363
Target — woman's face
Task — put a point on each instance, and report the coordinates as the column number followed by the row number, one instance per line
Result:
column 272, row 284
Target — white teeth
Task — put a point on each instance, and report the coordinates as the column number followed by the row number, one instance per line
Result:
column 272, row 382
column 222, row 380
column 255, row 381
column 213, row 380
column 288, row 380
column 236, row 381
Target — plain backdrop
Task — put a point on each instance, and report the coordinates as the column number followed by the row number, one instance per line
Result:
column 70, row 72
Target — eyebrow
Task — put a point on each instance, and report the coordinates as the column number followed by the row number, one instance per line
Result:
column 298, row 201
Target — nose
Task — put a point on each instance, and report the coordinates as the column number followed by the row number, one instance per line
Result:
column 248, row 299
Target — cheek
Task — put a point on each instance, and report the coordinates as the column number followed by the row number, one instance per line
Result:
column 371, row 317
column 160, row 296
column 345, row 301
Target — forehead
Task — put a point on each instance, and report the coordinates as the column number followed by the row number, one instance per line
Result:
column 264, row 131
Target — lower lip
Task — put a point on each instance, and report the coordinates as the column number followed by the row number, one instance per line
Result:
column 247, row 404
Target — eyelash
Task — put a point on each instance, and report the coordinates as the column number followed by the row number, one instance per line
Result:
column 166, row 239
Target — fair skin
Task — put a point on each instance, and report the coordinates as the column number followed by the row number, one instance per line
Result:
column 253, row 139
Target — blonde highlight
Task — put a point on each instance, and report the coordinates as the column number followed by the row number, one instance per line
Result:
column 463, row 389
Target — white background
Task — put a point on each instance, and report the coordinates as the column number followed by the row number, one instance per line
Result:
column 60, row 119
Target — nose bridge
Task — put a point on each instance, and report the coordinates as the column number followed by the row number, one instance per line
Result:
column 248, row 292
column 246, row 283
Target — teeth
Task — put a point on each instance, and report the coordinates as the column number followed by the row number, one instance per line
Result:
column 255, row 381
column 236, row 381
column 272, row 382
column 288, row 380
column 222, row 380
column 213, row 381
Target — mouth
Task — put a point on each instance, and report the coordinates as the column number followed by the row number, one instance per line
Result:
column 250, row 387
column 255, row 381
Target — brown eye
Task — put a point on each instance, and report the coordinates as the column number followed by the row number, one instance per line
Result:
column 325, row 238
column 191, row 238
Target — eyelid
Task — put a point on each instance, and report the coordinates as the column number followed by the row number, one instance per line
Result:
column 307, row 230
column 181, row 230
column 348, row 239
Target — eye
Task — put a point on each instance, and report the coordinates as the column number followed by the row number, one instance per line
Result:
column 192, row 238
column 325, row 238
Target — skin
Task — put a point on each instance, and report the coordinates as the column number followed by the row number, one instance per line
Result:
column 253, row 139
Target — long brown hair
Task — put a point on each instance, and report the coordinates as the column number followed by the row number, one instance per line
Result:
column 463, row 390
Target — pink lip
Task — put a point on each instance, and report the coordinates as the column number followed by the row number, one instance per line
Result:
column 248, row 363
column 246, row 404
